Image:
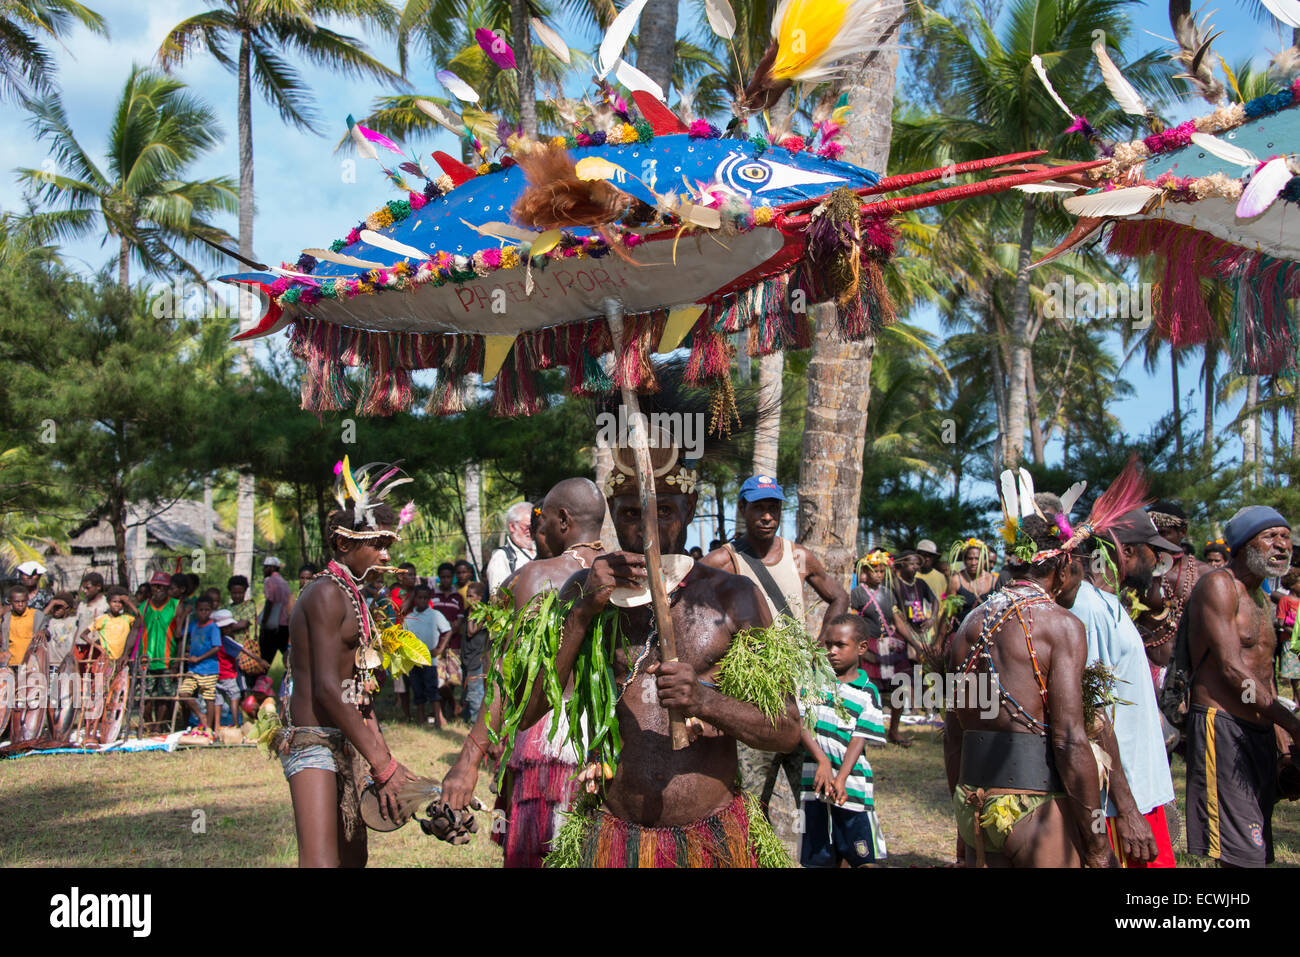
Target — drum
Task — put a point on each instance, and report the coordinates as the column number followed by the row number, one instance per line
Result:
column 65, row 698
column 116, row 701
column 7, row 686
column 30, row 704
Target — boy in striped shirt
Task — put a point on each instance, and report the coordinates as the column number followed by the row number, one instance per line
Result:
column 840, row 828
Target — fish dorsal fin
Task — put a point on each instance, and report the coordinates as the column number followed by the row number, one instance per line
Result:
column 663, row 120
column 458, row 171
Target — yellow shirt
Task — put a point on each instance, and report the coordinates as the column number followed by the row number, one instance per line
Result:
column 20, row 635
column 113, row 632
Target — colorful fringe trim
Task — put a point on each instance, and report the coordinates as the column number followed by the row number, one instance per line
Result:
column 1263, row 337
column 541, row 787
column 726, row 839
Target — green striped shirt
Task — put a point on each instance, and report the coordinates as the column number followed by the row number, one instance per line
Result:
column 833, row 733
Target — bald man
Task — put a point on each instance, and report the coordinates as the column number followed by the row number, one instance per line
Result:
column 566, row 525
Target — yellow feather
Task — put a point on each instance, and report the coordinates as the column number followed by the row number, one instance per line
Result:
column 805, row 32
column 839, row 114
column 348, row 482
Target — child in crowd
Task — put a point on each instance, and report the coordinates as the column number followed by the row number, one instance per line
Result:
column 472, row 652
column 111, row 629
column 200, row 683
column 840, row 828
column 427, row 624
column 61, row 626
column 228, row 684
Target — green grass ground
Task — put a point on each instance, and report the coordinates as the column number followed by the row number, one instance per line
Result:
column 138, row 810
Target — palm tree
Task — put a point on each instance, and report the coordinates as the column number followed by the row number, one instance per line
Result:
column 26, row 67
column 1007, row 110
column 839, row 373
column 141, row 199
column 267, row 32
column 656, row 44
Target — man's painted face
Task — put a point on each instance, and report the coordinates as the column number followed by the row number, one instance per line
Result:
column 1268, row 554
column 763, row 518
column 362, row 556
column 675, row 514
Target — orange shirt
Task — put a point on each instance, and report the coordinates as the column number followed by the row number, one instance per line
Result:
column 20, row 635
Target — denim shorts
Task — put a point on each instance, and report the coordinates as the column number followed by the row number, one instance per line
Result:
column 314, row 756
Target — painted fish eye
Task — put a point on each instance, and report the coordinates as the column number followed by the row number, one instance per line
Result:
column 754, row 173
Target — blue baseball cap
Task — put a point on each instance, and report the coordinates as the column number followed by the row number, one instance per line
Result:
column 760, row 487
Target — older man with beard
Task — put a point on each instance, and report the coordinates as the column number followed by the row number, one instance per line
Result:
column 1231, row 747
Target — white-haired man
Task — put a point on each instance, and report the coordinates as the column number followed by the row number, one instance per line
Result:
column 518, row 549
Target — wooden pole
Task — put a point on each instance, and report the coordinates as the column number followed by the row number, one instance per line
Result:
column 649, row 522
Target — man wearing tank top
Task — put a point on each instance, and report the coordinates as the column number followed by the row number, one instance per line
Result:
column 780, row 568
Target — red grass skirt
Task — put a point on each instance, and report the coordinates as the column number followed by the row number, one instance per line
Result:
column 718, row 841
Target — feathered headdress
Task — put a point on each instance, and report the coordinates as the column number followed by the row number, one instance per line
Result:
column 879, row 558
column 1127, row 492
column 358, row 491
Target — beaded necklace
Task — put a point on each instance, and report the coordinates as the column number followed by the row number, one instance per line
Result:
column 369, row 656
column 981, row 649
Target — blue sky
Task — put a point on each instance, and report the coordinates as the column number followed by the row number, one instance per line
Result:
column 303, row 197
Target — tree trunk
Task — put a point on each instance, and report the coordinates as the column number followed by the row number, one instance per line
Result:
column 1250, row 427
column 743, row 374
column 656, row 45
column 522, row 42
column 474, row 516
column 1178, row 410
column 1035, row 427
column 1013, row 444
column 117, row 518
column 207, row 511
column 767, row 431
column 839, row 373
column 244, row 502
column 1207, row 430
column 1295, row 418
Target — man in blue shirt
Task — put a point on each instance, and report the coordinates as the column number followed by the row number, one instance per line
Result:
column 431, row 627
column 1114, row 640
column 200, row 682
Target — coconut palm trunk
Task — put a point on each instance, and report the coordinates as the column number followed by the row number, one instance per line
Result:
column 522, row 43
column 839, row 373
column 1013, row 442
column 245, row 498
column 767, row 431
column 657, row 43
column 474, row 516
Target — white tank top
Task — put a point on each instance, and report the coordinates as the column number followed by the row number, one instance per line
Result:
column 786, row 573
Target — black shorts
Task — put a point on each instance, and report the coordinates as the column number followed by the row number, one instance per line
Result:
column 1231, row 788
column 833, row 834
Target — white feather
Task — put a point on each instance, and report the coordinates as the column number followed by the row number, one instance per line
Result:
column 392, row 245
column 1120, row 88
column 722, row 19
column 1116, row 202
column 1027, row 504
column 1224, row 151
column 616, row 37
column 1010, row 499
column 1262, row 190
column 1046, row 188
column 551, row 40
column 1288, row 11
column 364, row 146
column 636, row 81
column 778, row 17
column 1037, row 63
column 457, row 87
column 1071, row 496
column 330, row 256
column 442, row 116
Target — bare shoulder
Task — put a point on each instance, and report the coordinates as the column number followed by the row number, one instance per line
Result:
column 1216, row 588
column 573, row 585
column 718, row 558
column 320, row 598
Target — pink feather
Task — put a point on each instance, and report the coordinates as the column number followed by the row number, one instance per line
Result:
column 381, row 139
column 496, row 48
column 406, row 516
